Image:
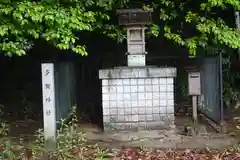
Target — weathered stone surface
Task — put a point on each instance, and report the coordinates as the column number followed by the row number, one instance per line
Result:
column 134, row 98
column 137, row 72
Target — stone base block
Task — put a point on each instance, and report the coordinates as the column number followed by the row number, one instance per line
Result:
column 135, row 126
column 138, row 98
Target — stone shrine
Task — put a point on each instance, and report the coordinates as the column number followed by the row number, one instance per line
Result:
column 137, row 96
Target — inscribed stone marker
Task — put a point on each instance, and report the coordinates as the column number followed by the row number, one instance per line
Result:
column 49, row 107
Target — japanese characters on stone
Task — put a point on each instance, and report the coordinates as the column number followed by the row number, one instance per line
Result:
column 48, row 112
column 47, row 88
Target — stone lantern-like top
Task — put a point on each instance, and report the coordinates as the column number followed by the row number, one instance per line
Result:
column 134, row 21
column 137, row 96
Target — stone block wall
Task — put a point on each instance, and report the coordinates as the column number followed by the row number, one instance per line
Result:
column 137, row 102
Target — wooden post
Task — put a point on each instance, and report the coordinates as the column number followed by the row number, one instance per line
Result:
column 194, row 109
column 49, row 106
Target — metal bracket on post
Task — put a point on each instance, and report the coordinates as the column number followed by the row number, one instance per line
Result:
column 194, row 89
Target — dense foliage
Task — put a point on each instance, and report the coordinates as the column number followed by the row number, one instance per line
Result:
column 57, row 22
column 203, row 20
column 61, row 22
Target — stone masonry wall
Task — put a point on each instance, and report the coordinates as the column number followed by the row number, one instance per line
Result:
column 131, row 103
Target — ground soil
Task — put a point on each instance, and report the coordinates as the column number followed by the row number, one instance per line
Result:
column 142, row 138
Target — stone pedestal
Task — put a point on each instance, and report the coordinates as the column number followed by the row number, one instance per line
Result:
column 139, row 97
